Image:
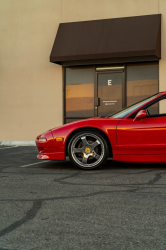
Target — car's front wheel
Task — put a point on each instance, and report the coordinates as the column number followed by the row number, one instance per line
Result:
column 88, row 149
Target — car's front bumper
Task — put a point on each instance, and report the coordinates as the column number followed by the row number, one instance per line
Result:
column 50, row 150
column 51, row 154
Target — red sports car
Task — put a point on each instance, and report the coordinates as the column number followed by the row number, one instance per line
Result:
column 134, row 134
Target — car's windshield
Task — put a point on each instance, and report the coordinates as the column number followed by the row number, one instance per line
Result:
column 126, row 111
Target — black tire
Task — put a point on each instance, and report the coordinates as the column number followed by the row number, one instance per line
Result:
column 88, row 149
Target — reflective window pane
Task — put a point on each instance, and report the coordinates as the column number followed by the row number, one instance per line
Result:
column 154, row 108
column 142, row 81
column 80, row 92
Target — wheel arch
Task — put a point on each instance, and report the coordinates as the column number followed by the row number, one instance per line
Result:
column 89, row 128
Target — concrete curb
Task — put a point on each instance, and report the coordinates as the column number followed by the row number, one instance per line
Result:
column 17, row 143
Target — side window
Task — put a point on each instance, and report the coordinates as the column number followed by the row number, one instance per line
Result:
column 158, row 108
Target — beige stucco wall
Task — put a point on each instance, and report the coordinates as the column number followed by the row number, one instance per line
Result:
column 81, row 10
column 162, row 62
column 31, row 86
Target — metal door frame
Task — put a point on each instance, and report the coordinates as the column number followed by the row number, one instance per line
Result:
column 115, row 69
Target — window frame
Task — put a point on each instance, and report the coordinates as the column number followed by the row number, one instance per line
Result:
column 64, row 94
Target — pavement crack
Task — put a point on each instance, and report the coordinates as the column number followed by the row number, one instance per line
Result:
column 31, row 213
column 67, row 177
column 155, row 179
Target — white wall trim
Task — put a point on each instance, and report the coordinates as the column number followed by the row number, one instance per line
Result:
column 17, row 143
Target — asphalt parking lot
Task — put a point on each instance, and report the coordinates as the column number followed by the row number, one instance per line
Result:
column 53, row 205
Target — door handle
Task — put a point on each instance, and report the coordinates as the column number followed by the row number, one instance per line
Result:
column 97, row 101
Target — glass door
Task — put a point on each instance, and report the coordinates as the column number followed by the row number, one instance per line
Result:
column 109, row 92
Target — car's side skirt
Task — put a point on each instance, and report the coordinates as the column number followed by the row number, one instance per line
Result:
column 141, row 158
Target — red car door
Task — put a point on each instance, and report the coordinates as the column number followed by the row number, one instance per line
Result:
column 143, row 136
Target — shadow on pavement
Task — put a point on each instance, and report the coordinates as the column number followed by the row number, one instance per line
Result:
column 109, row 165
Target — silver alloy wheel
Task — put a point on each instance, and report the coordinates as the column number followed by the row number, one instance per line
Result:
column 91, row 151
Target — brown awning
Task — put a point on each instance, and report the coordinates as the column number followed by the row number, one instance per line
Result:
column 138, row 36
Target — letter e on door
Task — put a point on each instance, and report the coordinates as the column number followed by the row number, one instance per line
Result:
column 109, row 82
